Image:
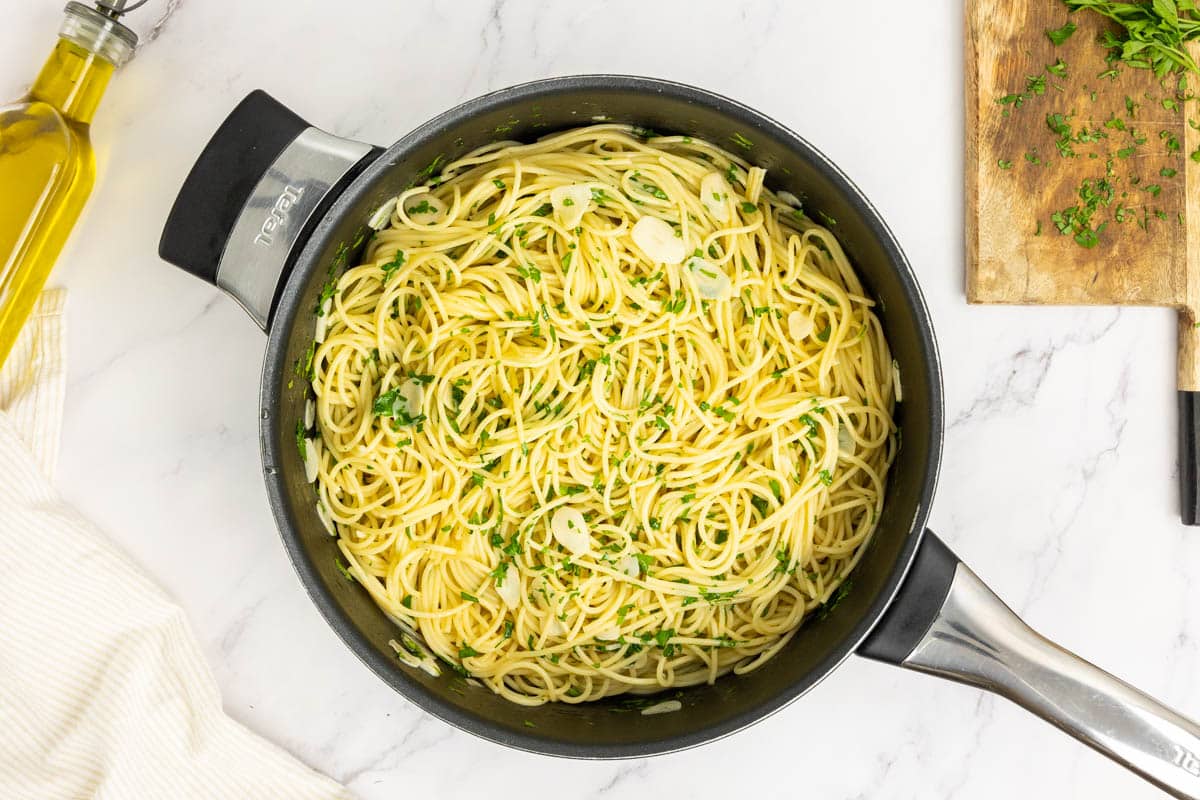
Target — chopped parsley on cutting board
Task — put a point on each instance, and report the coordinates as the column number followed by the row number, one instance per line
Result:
column 1144, row 35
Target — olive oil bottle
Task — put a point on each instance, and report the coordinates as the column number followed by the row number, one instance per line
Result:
column 46, row 162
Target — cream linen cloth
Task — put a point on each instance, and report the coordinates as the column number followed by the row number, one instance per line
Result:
column 104, row 692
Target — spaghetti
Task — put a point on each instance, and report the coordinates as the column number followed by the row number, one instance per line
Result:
column 599, row 414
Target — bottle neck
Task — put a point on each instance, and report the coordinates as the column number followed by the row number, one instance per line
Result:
column 73, row 80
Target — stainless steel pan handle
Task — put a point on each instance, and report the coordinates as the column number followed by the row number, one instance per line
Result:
column 251, row 199
column 973, row 637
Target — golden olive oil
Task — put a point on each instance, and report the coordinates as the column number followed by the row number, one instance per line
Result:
column 46, row 162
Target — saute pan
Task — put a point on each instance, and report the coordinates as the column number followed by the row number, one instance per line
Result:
column 274, row 208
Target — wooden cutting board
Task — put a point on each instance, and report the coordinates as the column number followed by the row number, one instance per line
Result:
column 1015, row 253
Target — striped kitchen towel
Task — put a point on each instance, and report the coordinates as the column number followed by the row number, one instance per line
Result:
column 104, row 692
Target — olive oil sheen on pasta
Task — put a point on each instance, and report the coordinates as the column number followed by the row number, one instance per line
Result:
column 46, row 162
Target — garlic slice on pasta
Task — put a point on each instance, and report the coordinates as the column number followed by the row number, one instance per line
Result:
column 714, row 194
column 414, row 396
column 630, row 566
column 570, row 529
column 800, row 326
column 846, row 443
column 711, row 280
column 509, row 587
column 657, row 240
column 570, row 203
column 424, row 209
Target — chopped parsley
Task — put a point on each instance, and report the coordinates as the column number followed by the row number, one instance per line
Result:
column 1060, row 35
column 741, row 141
column 392, row 404
column 390, row 267
column 1076, row 221
column 530, row 272
column 301, row 440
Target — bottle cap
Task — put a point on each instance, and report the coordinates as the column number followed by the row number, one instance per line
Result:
column 98, row 31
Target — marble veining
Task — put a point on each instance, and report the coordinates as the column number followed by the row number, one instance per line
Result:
column 1058, row 482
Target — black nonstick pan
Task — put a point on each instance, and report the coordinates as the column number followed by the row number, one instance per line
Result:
column 274, row 207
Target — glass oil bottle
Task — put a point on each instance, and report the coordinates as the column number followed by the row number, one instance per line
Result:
column 46, row 162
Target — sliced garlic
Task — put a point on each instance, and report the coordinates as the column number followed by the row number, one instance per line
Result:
column 630, row 566
column 399, row 622
column 846, row 443
column 665, row 707
column 403, row 654
column 570, row 529
column 312, row 459
column 322, row 327
column 414, row 396
column 509, row 588
column 658, row 241
column 789, row 198
column 715, row 194
column 800, row 326
column 555, row 627
column 405, row 651
column 896, row 380
column 408, row 659
column 310, row 414
column 711, row 281
column 570, row 203
column 424, row 208
column 382, row 215
column 326, row 519
column 608, row 635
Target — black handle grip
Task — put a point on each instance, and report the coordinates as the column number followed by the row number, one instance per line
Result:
column 916, row 605
column 222, row 179
column 1189, row 457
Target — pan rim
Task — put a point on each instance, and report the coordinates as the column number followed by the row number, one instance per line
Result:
column 274, row 367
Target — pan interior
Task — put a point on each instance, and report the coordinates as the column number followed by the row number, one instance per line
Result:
column 613, row 728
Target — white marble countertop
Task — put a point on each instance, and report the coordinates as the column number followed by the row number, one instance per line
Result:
column 1058, row 484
